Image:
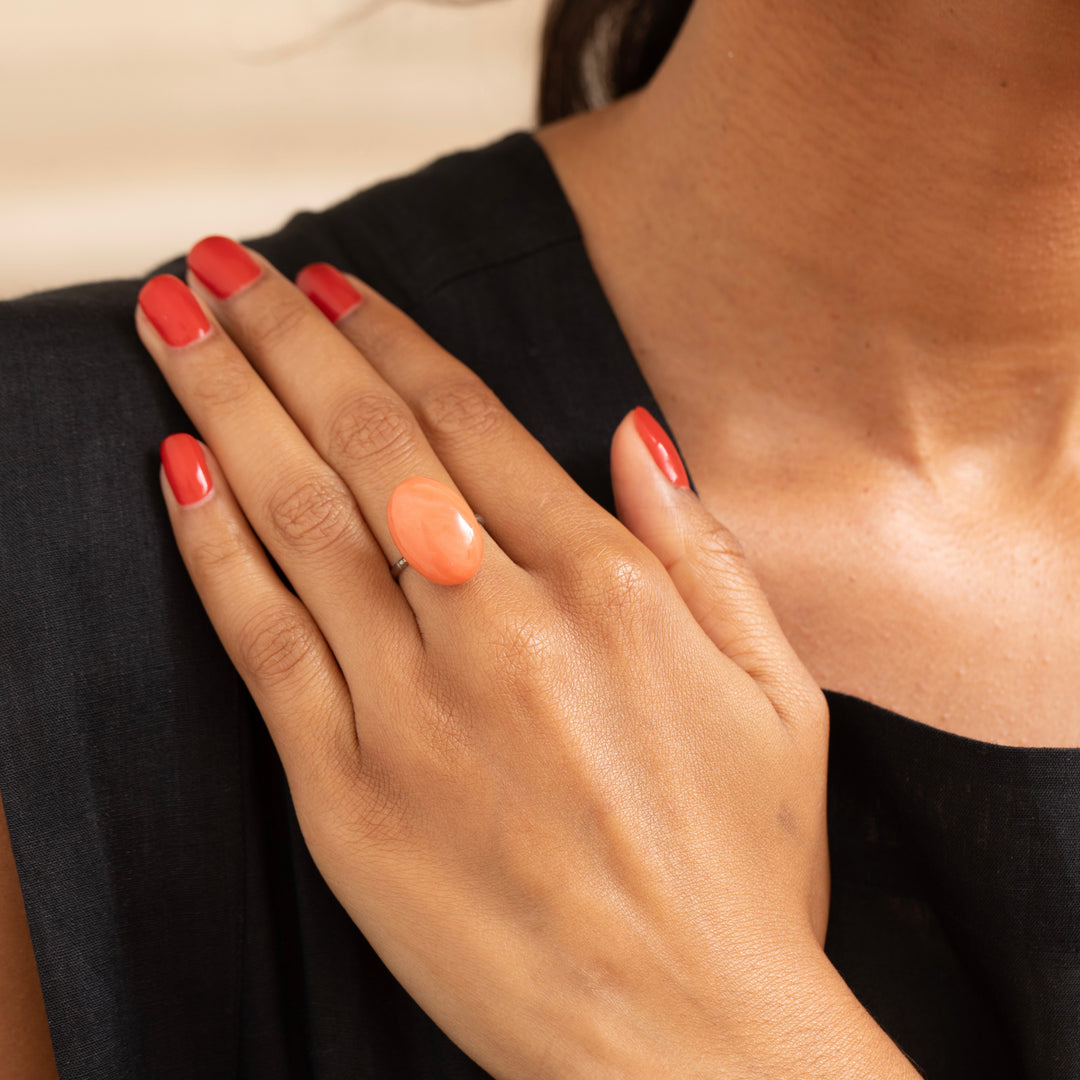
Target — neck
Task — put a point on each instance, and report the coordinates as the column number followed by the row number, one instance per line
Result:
column 877, row 204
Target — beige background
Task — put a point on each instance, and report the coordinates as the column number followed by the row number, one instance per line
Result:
column 130, row 128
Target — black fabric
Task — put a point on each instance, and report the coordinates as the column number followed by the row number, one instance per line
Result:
column 180, row 927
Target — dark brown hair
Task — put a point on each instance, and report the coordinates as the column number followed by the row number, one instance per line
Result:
column 597, row 50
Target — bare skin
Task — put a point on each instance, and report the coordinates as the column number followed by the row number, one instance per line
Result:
column 859, row 307
column 24, row 1031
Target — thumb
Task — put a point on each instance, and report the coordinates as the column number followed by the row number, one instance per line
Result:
column 706, row 564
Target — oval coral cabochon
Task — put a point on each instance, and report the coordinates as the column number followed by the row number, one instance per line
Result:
column 435, row 530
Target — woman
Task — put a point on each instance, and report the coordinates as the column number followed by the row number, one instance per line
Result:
column 832, row 248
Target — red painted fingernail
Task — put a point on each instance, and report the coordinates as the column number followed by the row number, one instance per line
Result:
column 185, row 468
column 169, row 304
column 222, row 265
column 329, row 289
column 661, row 447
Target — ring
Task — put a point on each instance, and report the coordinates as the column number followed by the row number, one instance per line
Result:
column 396, row 569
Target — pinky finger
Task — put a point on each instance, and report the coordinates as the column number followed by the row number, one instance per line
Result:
column 269, row 635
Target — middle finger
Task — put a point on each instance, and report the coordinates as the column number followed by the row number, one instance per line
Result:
column 352, row 417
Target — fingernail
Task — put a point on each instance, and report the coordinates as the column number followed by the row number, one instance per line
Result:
column 175, row 313
column 661, row 447
column 185, row 468
column 329, row 289
column 435, row 530
column 222, row 265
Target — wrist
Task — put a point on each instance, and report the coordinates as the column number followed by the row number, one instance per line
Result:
column 806, row 1022
column 796, row 1018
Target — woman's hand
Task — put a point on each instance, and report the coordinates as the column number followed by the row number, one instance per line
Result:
column 577, row 802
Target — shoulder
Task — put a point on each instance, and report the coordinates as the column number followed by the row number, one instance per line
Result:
column 409, row 237
column 468, row 245
column 464, row 213
column 481, row 247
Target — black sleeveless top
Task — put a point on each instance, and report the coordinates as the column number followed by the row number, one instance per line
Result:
column 180, row 927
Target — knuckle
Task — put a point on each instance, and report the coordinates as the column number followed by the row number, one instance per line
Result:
column 375, row 330
column 221, row 553
column 628, row 579
column 719, row 551
column 222, row 384
column 276, row 324
column 275, row 645
column 628, row 600
column 614, row 589
column 461, row 406
column 372, row 425
column 315, row 514
column 625, row 581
